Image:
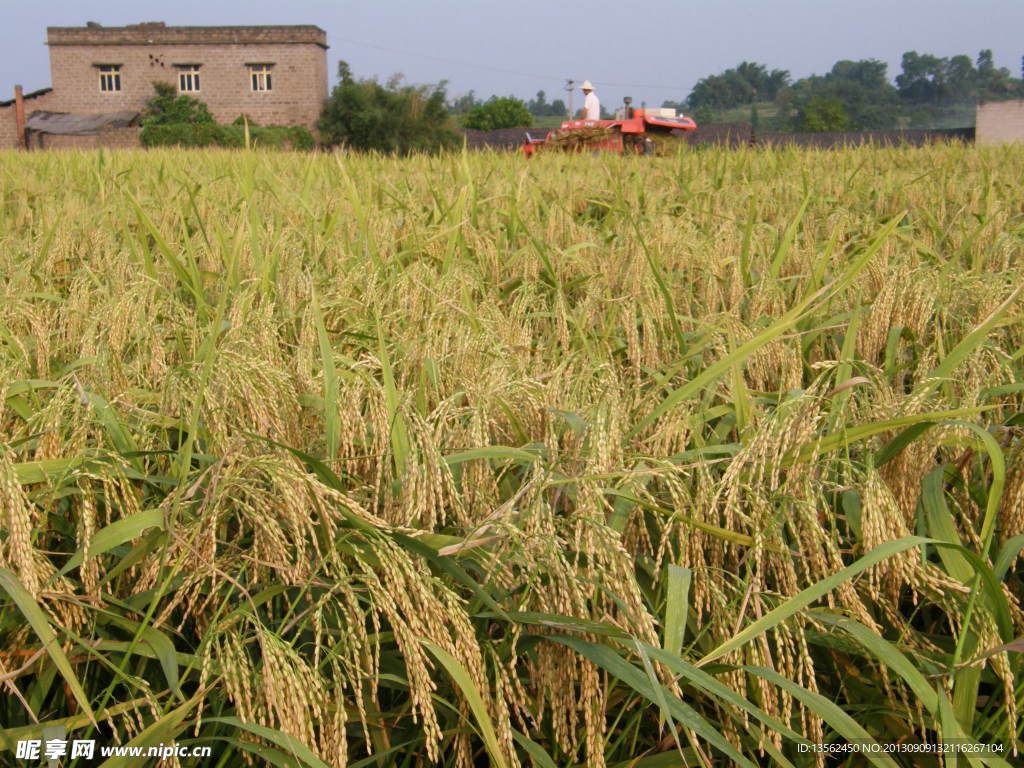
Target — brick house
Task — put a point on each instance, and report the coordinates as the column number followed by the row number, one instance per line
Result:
column 277, row 75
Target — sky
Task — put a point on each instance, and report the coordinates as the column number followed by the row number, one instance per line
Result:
column 653, row 51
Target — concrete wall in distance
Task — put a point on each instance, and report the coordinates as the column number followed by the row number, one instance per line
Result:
column 999, row 122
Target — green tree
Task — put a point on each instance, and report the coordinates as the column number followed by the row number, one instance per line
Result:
column 557, row 108
column 993, row 82
column 703, row 115
column 539, row 106
column 766, row 85
column 922, row 79
column 389, row 117
column 167, row 108
column 868, row 99
column 464, row 103
column 744, row 84
column 961, row 78
column 823, row 114
column 507, row 112
column 928, row 79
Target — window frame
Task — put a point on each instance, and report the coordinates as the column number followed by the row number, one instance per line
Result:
column 109, row 76
column 261, row 76
column 189, row 73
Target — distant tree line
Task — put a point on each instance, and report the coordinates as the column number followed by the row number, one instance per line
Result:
column 503, row 111
column 855, row 95
column 393, row 116
column 539, row 106
column 365, row 114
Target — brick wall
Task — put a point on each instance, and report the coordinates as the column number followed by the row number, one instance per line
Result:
column 8, row 123
column 52, row 141
column 8, row 128
column 150, row 52
column 120, row 138
column 109, row 137
column 998, row 122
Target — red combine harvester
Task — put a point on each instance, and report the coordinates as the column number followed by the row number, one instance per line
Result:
column 632, row 130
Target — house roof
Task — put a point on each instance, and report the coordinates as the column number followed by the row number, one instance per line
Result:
column 158, row 33
column 27, row 96
column 66, row 124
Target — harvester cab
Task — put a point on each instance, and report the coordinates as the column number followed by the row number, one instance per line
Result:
column 633, row 130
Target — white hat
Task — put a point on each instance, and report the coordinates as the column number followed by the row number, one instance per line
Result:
column 587, row 86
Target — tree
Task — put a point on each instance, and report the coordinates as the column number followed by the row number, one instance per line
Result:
column 868, row 99
column 389, row 117
column 464, row 103
column 167, row 108
column 823, row 114
column 986, row 63
column 922, row 79
column 961, row 78
column 928, row 79
column 557, row 108
column 745, row 84
column 766, row 85
column 539, row 106
column 993, row 83
column 508, row 112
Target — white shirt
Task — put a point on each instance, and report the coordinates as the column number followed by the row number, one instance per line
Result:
column 593, row 107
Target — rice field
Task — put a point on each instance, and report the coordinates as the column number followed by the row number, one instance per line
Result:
column 335, row 460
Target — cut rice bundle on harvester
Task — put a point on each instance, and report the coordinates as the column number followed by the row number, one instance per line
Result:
column 640, row 131
column 580, row 139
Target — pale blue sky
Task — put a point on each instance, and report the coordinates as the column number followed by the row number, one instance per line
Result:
column 653, row 50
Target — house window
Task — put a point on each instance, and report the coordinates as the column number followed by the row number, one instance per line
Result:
column 110, row 77
column 259, row 75
column 188, row 78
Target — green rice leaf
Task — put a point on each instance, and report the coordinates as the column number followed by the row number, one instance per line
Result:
column 41, row 626
column 611, row 662
column 836, row 718
column 814, row 592
column 461, row 677
column 677, row 601
column 289, row 744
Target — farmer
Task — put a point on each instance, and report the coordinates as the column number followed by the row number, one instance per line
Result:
column 591, row 106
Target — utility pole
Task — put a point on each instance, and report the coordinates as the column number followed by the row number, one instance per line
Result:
column 570, row 86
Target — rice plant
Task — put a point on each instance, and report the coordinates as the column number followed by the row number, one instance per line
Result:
column 350, row 460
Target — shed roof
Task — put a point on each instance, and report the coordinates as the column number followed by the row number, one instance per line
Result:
column 158, row 33
column 27, row 96
column 66, row 124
